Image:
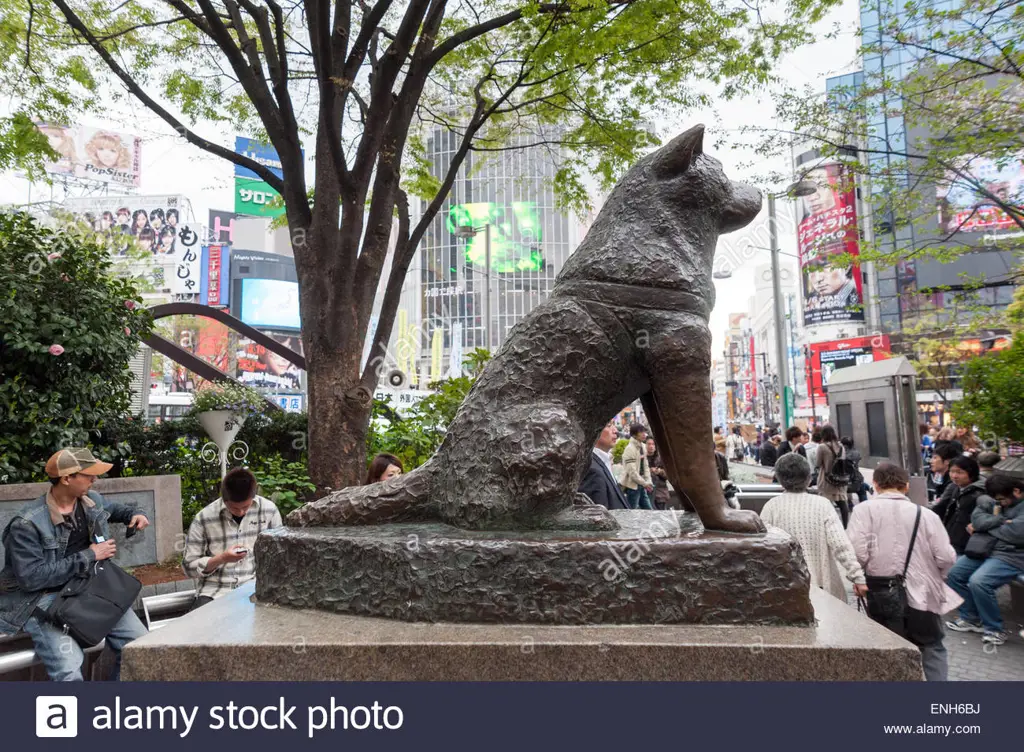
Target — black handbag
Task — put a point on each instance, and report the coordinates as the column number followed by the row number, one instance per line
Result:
column 887, row 596
column 887, row 604
column 88, row 607
column 980, row 546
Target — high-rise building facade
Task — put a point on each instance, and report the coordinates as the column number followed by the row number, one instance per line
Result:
column 920, row 292
column 501, row 208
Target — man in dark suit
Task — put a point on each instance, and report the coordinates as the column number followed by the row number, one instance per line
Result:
column 598, row 482
column 793, row 443
column 769, row 451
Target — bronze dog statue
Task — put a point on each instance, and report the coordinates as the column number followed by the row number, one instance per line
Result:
column 627, row 319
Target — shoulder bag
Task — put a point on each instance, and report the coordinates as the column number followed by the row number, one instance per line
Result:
column 887, row 604
column 979, row 546
column 88, row 607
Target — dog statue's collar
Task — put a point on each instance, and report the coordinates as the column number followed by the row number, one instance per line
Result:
column 633, row 296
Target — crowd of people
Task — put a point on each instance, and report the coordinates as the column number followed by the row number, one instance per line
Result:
column 955, row 552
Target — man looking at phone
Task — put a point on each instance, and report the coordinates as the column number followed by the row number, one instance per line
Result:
column 52, row 540
column 219, row 548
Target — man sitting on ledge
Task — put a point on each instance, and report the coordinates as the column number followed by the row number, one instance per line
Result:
column 50, row 541
column 219, row 550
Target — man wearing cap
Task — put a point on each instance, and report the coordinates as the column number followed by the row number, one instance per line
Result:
column 51, row 540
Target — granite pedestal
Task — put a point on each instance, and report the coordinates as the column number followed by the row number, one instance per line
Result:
column 658, row 568
column 237, row 639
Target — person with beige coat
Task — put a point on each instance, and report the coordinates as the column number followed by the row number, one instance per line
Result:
column 636, row 470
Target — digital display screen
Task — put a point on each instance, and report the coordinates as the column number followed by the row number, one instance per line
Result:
column 516, row 235
column 270, row 304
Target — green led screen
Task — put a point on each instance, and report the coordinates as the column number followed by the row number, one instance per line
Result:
column 516, row 235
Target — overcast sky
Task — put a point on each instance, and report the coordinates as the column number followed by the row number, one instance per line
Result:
column 171, row 166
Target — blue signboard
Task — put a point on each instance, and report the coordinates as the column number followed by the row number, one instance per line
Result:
column 265, row 154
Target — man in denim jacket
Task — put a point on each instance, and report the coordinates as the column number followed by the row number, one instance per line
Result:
column 51, row 540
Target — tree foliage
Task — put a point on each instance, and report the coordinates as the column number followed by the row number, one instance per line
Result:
column 70, row 327
column 994, row 393
column 366, row 85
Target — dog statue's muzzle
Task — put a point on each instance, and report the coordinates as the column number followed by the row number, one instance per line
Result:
column 742, row 207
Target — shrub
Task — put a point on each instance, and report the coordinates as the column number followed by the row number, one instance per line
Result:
column 70, row 327
column 618, row 449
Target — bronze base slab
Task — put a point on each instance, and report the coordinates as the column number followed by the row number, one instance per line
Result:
column 659, row 568
column 234, row 639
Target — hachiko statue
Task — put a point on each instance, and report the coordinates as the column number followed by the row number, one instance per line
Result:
column 628, row 318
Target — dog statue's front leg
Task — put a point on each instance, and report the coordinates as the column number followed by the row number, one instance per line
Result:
column 681, row 421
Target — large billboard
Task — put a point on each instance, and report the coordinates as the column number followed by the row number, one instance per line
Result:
column 829, row 357
column 516, row 235
column 259, row 367
column 832, row 291
column 159, row 224
column 963, row 208
column 95, row 154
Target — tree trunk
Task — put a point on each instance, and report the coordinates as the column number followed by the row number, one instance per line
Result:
column 339, row 417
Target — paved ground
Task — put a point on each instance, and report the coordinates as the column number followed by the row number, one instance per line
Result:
column 970, row 660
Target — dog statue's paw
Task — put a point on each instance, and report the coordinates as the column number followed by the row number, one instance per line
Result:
column 582, row 517
column 735, row 521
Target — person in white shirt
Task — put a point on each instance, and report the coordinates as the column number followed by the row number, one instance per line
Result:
column 813, row 521
column 735, row 446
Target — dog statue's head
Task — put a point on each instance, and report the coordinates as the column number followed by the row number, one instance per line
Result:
column 697, row 181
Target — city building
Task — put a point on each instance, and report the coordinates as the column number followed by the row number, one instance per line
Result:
column 920, row 297
column 502, row 207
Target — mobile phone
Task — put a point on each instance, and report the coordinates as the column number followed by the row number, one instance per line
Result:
column 98, row 538
column 241, row 550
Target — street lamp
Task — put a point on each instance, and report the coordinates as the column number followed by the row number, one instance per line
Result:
column 796, row 190
column 466, row 231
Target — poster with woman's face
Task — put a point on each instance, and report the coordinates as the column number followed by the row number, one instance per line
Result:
column 96, row 154
column 828, row 230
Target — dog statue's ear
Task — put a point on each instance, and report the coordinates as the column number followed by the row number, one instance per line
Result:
column 676, row 157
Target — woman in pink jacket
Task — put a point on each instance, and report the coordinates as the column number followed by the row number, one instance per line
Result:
column 880, row 530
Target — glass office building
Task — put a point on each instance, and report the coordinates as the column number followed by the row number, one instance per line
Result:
column 910, row 290
column 502, row 209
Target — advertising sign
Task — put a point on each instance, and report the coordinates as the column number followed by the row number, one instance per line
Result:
column 270, row 304
column 828, row 228
column 290, row 403
column 213, row 283
column 259, row 367
column 828, row 357
column 252, row 195
column 222, row 226
column 95, row 154
column 963, row 208
column 159, row 224
column 516, row 235
column 256, row 198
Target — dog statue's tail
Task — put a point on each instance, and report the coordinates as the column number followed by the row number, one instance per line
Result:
column 402, row 499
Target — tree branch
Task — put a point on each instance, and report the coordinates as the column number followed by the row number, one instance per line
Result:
column 77, row 24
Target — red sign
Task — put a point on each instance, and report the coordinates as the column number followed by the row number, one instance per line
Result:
column 214, row 271
column 828, row 357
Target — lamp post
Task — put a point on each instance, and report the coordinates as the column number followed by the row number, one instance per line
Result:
column 466, row 231
column 796, row 190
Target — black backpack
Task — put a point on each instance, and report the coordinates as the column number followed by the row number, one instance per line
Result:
column 842, row 471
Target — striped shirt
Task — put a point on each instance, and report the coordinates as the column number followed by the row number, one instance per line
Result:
column 214, row 531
